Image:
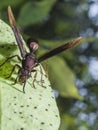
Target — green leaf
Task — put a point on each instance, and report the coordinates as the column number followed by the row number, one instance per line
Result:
column 6, row 34
column 36, row 12
column 12, row 3
column 67, row 122
column 36, row 109
column 62, row 77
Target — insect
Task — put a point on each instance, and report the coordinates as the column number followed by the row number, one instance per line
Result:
column 28, row 60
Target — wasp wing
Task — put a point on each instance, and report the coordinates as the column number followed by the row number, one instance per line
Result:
column 16, row 32
column 59, row 49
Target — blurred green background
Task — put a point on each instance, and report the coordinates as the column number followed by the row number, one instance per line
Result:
column 74, row 73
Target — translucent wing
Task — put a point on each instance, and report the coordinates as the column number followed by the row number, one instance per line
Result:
column 59, row 49
column 16, row 32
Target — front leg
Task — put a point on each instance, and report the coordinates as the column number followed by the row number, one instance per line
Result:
column 35, row 75
column 9, row 58
column 16, row 65
column 12, row 73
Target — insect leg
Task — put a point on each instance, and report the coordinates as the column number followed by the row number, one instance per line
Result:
column 34, row 78
column 13, row 70
column 46, row 69
column 35, row 75
column 42, row 77
column 9, row 58
column 38, row 70
column 15, row 81
column 24, row 87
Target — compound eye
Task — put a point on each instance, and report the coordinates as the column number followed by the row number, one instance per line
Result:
column 32, row 44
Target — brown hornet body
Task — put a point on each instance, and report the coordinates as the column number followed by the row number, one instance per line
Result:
column 29, row 61
column 27, row 64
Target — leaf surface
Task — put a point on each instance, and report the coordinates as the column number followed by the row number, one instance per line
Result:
column 34, row 110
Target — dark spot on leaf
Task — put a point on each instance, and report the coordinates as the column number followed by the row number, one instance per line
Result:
column 15, row 112
column 52, row 97
column 15, row 104
column 21, row 116
column 50, row 124
column 35, row 107
column 20, row 112
column 42, row 123
column 21, row 106
column 31, row 115
column 46, row 109
column 56, row 115
column 9, row 118
column 30, row 97
column 14, row 97
column 49, row 105
column 22, row 129
column 27, row 105
column 7, row 30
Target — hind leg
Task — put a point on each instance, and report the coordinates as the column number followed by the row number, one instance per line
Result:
column 42, row 81
column 35, row 75
column 46, row 69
